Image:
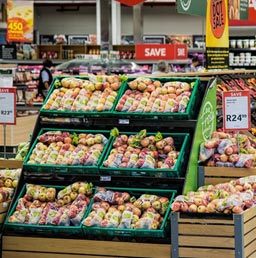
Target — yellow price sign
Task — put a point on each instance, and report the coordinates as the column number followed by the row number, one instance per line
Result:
column 16, row 27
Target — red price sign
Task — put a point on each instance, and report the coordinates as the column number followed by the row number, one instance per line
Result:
column 236, row 110
column 7, row 106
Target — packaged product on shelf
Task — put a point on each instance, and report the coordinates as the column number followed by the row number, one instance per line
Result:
column 42, row 205
column 129, row 211
column 66, row 149
column 145, row 95
column 145, row 153
column 84, row 94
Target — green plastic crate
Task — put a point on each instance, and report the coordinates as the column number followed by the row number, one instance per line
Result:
column 190, row 112
column 123, row 232
column 50, row 169
column 181, row 142
column 43, row 229
column 77, row 114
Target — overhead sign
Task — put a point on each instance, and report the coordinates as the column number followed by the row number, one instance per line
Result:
column 251, row 21
column 236, row 110
column 192, row 7
column 217, row 36
column 238, row 10
column 130, row 2
column 161, row 51
column 20, row 21
column 7, row 106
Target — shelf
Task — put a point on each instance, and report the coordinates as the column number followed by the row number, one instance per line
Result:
column 242, row 49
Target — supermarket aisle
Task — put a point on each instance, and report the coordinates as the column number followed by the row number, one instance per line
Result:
column 20, row 132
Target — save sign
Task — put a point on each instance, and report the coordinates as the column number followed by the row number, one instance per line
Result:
column 161, row 51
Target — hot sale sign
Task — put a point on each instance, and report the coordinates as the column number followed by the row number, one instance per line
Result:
column 161, row 51
column 8, row 106
column 236, row 110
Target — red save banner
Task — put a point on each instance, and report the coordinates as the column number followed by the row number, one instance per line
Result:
column 161, row 51
column 130, row 2
column 251, row 16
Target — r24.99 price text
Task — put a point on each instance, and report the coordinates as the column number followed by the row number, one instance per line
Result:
column 234, row 118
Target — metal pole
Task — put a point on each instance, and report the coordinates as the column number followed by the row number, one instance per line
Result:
column 4, row 141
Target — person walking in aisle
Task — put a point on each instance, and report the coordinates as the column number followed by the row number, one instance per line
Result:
column 45, row 79
column 162, row 68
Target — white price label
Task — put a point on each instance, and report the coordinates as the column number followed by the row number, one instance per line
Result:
column 8, row 106
column 236, row 110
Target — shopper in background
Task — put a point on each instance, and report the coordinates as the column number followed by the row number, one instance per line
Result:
column 162, row 68
column 194, row 65
column 45, row 79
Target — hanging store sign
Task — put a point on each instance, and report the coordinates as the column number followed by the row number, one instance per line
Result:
column 251, row 14
column 161, row 51
column 130, row 2
column 20, row 21
column 217, row 36
column 236, row 110
column 238, row 10
column 192, row 7
column 7, row 106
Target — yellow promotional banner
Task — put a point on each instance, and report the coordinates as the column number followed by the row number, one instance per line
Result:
column 217, row 36
column 20, row 21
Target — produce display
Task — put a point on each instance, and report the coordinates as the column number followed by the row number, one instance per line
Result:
column 22, row 150
column 48, row 205
column 9, row 179
column 231, row 197
column 142, row 151
column 228, row 150
column 148, row 95
column 114, row 209
column 68, row 148
column 97, row 93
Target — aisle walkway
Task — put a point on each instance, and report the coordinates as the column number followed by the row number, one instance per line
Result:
column 20, row 132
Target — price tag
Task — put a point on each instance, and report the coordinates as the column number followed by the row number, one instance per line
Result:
column 123, row 121
column 236, row 110
column 8, row 106
column 105, row 178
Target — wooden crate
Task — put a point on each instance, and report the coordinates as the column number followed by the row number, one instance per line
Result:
column 208, row 235
column 4, row 206
column 10, row 163
column 216, row 175
column 28, row 247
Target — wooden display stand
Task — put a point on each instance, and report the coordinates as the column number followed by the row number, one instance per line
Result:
column 10, row 163
column 5, row 163
column 28, row 247
column 202, row 235
column 216, row 175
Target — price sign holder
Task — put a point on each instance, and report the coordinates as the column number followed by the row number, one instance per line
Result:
column 236, row 110
column 7, row 109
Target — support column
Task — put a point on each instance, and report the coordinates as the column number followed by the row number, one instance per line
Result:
column 116, row 23
column 103, row 23
column 138, row 24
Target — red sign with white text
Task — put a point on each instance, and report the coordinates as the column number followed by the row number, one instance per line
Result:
column 161, row 51
column 8, row 106
column 180, row 51
column 236, row 110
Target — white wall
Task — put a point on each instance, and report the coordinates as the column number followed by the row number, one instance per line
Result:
column 50, row 21
column 156, row 20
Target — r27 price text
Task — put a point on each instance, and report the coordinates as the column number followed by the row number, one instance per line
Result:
column 6, row 112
